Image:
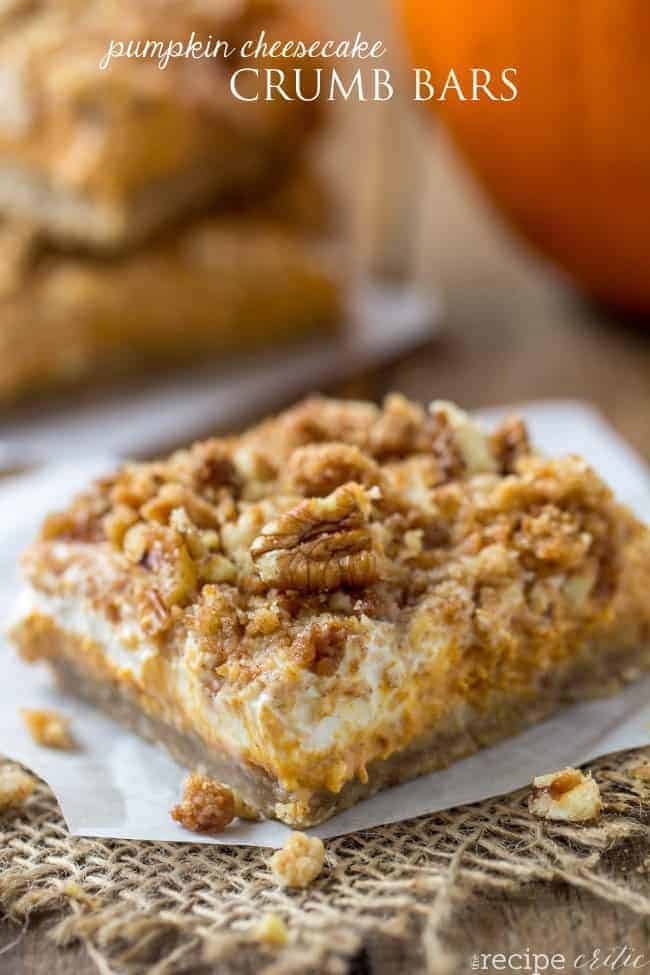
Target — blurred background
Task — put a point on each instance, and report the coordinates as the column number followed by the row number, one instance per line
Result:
column 152, row 222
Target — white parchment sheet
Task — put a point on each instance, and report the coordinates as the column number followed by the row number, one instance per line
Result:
column 119, row 786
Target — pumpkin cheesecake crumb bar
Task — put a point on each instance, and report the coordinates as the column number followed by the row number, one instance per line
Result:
column 341, row 598
column 104, row 157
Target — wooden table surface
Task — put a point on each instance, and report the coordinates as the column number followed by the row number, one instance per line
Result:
column 513, row 331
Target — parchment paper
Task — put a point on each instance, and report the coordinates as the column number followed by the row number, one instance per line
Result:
column 119, row 786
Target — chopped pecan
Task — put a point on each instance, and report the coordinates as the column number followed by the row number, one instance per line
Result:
column 318, row 469
column 509, row 442
column 321, row 544
column 462, row 438
column 400, row 430
column 211, row 467
column 163, row 552
column 170, row 497
column 135, row 484
column 117, row 522
column 319, row 420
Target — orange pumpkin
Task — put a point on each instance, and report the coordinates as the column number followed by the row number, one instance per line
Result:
column 569, row 159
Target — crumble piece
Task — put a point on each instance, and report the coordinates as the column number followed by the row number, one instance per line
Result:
column 48, row 728
column 15, row 787
column 206, row 807
column 299, row 861
column 271, row 930
column 567, row 795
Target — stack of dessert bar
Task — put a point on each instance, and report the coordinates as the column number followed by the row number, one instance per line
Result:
column 148, row 215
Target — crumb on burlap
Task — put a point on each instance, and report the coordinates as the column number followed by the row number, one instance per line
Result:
column 75, row 892
column 15, row 787
column 567, row 795
column 206, row 806
column 48, row 728
column 299, row 861
column 271, row 930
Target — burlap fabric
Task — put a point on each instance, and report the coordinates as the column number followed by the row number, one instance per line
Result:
column 158, row 907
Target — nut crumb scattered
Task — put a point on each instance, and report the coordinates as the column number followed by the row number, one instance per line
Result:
column 567, row 795
column 48, row 728
column 271, row 930
column 206, row 807
column 641, row 772
column 15, row 787
column 299, row 861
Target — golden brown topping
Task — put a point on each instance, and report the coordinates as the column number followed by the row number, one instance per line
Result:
column 48, row 728
column 263, row 622
column 318, row 469
column 509, row 442
column 200, row 513
column 210, row 467
column 401, row 429
column 567, row 795
column 206, row 807
column 162, row 552
column 15, row 787
column 467, row 438
column 320, row 646
column 319, row 545
column 321, row 420
column 641, row 772
column 117, row 522
column 553, row 535
column 299, row 861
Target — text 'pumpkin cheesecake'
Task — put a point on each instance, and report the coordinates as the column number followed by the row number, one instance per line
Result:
column 342, row 598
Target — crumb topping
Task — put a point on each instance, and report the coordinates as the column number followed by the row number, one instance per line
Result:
column 568, row 795
column 48, row 728
column 299, row 862
column 15, row 787
column 206, row 806
column 343, row 509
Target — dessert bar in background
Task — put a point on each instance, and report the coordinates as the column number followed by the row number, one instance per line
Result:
column 148, row 216
column 227, row 282
column 105, row 158
column 340, row 599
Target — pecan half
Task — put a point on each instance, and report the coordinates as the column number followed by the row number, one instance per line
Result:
column 321, row 544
